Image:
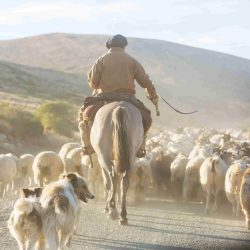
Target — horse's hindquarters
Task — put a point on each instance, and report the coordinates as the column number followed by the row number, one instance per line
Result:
column 116, row 136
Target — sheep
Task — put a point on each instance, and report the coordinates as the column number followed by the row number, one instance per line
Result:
column 194, row 152
column 160, row 169
column 203, row 151
column 141, row 179
column 144, row 165
column 212, row 179
column 232, row 184
column 66, row 148
column 177, row 169
column 93, row 175
column 8, row 171
column 191, row 183
column 245, row 196
column 73, row 161
column 25, row 176
column 47, row 167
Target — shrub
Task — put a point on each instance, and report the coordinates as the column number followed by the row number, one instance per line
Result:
column 5, row 127
column 23, row 124
column 58, row 116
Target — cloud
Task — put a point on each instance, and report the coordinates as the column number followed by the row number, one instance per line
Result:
column 211, row 6
column 8, row 35
column 232, row 39
column 209, row 39
column 48, row 11
column 220, row 7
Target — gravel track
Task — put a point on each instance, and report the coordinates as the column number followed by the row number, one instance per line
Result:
column 157, row 224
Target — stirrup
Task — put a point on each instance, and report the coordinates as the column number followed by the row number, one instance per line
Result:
column 141, row 153
column 87, row 151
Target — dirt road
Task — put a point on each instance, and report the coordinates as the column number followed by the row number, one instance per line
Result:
column 157, row 224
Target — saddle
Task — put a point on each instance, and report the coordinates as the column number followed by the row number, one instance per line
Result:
column 93, row 104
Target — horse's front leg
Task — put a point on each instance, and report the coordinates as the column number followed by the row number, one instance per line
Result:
column 113, row 213
column 124, row 189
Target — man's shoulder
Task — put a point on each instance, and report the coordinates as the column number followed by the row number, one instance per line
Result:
column 100, row 58
column 124, row 55
column 129, row 56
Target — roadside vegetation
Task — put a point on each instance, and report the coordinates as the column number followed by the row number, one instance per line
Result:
column 52, row 116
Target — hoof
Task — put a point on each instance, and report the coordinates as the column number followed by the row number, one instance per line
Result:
column 123, row 222
column 113, row 214
column 248, row 225
column 68, row 244
column 105, row 210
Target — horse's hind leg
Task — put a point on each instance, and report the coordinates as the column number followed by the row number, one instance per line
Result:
column 124, row 189
column 107, row 185
column 113, row 213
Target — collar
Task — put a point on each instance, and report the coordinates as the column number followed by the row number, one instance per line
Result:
column 116, row 49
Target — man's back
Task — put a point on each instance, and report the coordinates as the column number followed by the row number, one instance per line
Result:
column 118, row 71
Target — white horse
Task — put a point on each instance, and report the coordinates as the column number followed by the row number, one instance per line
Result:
column 116, row 136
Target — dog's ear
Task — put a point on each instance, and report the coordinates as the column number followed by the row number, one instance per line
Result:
column 24, row 193
column 38, row 191
column 62, row 176
column 72, row 177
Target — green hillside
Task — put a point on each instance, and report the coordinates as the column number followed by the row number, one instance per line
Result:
column 54, row 66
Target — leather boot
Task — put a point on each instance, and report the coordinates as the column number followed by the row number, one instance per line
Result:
column 87, row 148
column 142, row 151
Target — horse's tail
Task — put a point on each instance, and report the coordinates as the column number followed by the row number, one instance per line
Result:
column 121, row 145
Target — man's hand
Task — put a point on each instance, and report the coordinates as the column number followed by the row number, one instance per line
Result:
column 154, row 100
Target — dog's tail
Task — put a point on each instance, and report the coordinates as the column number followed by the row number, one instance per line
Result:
column 22, row 207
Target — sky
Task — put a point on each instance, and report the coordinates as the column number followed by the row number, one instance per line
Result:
column 219, row 25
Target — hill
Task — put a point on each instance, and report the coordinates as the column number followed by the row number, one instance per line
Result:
column 216, row 84
column 29, row 86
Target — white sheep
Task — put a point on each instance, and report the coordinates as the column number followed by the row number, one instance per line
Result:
column 212, row 179
column 245, row 196
column 66, row 148
column 233, row 182
column 177, row 169
column 25, row 176
column 73, row 162
column 141, row 179
column 8, row 171
column 47, row 167
column 191, row 184
column 93, row 175
column 201, row 150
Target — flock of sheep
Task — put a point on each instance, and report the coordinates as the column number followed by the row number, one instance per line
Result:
column 184, row 164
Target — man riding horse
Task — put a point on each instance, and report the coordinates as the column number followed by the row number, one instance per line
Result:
column 112, row 78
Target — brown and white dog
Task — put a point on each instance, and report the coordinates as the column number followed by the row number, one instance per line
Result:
column 25, row 222
column 60, row 202
column 245, row 196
